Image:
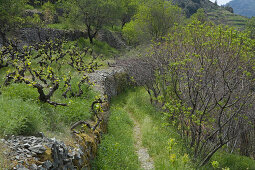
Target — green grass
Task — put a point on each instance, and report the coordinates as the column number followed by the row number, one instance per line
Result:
column 155, row 136
column 232, row 161
column 117, row 148
column 162, row 141
column 22, row 113
column 98, row 47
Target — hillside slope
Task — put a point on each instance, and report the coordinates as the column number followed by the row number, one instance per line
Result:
column 215, row 13
column 243, row 7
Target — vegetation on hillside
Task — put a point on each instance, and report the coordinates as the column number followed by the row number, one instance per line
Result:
column 198, row 73
column 51, row 73
column 204, row 81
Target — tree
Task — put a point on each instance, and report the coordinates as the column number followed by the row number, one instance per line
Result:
column 216, row 2
column 205, row 75
column 41, row 67
column 10, row 16
column 199, row 15
column 129, row 8
column 153, row 20
column 94, row 14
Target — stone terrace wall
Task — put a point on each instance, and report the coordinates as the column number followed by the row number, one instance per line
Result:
column 28, row 36
column 110, row 82
column 44, row 153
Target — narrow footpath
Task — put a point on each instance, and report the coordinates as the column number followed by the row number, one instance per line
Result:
column 146, row 161
column 137, row 138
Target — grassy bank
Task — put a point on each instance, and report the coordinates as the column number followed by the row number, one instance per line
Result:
column 117, row 148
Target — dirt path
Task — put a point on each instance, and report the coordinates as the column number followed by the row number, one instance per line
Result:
column 143, row 155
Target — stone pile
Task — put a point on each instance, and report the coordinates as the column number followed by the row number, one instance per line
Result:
column 41, row 153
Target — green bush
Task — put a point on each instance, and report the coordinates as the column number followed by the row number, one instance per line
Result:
column 21, row 91
column 19, row 117
column 98, row 47
column 29, row 7
column 131, row 32
column 232, row 161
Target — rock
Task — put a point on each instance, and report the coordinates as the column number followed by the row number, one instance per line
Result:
column 21, row 167
column 112, row 38
column 29, row 36
column 29, row 156
column 27, row 145
column 39, row 149
column 33, row 167
column 47, row 164
column 40, row 167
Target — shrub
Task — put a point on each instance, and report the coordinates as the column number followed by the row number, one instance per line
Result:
column 205, row 77
column 18, row 117
column 21, row 91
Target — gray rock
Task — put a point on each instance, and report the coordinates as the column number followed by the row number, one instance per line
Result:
column 38, row 149
column 21, row 167
column 27, row 145
column 40, row 167
column 47, row 164
column 33, row 167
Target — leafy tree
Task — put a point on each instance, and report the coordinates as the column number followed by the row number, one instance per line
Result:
column 205, row 78
column 129, row 8
column 199, row 15
column 191, row 8
column 49, row 12
column 94, row 14
column 10, row 16
column 153, row 20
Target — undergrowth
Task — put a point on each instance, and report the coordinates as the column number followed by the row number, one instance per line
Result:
column 155, row 136
column 98, row 47
column 22, row 113
column 164, row 144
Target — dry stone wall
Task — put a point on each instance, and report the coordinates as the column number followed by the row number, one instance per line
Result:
column 42, row 153
column 29, row 36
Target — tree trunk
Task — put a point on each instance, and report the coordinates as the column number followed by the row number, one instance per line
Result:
column 244, row 145
column 90, row 34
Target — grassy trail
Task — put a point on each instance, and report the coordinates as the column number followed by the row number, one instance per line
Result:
column 137, row 137
column 145, row 160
